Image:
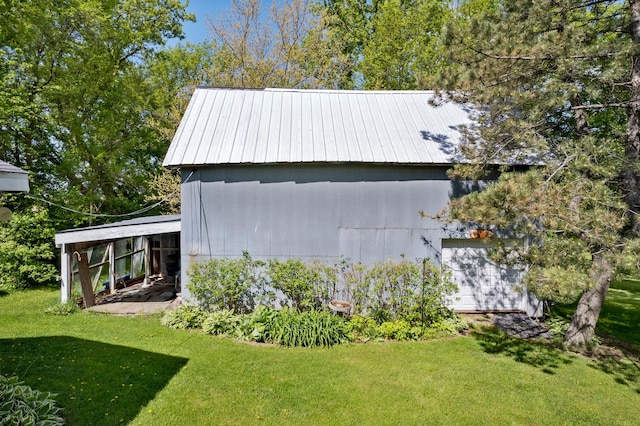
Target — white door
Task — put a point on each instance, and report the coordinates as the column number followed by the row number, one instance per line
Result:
column 483, row 285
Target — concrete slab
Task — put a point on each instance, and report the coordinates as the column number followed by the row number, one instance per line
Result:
column 132, row 308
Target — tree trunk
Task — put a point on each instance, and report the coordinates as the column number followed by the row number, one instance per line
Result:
column 585, row 318
column 631, row 178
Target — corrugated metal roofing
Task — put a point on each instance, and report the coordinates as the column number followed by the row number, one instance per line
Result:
column 148, row 225
column 245, row 126
column 8, row 168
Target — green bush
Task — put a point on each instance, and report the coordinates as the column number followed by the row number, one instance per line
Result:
column 221, row 322
column 362, row 328
column 399, row 330
column 184, row 317
column 416, row 292
column 291, row 327
column 62, row 309
column 256, row 325
column 305, row 285
column 27, row 252
column 21, row 405
column 453, row 325
column 226, row 283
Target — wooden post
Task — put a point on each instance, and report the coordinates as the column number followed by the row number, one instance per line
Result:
column 112, row 267
column 85, row 280
column 147, row 260
column 65, row 272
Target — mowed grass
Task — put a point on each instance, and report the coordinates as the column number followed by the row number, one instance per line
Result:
column 111, row 370
column 620, row 316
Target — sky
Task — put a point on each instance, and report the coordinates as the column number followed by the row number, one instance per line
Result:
column 196, row 32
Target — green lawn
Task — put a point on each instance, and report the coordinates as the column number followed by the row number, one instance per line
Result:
column 620, row 315
column 113, row 370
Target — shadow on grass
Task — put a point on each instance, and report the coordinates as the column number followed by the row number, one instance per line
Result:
column 539, row 354
column 624, row 371
column 96, row 383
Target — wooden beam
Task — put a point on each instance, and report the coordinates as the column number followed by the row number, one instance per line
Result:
column 147, row 260
column 85, row 280
column 65, row 272
column 112, row 267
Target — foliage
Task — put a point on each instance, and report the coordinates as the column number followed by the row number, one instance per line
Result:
column 392, row 44
column 226, row 283
column 285, row 46
column 21, row 405
column 362, row 328
column 184, row 317
column 220, row 322
column 63, row 309
column 417, row 292
column 306, row 285
column 291, row 327
column 27, row 256
column 256, row 326
column 557, row 84
column 76, row 111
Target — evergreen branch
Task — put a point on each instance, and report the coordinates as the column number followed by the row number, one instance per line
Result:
column 600, row 106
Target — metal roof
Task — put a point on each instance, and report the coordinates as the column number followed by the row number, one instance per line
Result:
column 150, row 225
column 257, row 126
column 12, row 178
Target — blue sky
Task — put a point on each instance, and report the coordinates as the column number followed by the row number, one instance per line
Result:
column 197, row 31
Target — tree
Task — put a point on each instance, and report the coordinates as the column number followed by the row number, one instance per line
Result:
column 557, row 86
column 392, row 44
column 76, row 113
column 74, row 109
column 288, row 47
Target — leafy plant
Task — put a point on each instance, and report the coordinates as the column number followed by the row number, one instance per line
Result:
column 184, row 317
column 399, row 330
column 291, row 327
column 27, row 254
column 62, row 309
column 221, row 322
column 362, row 328
column 21, row 405
column 226, row 283
column 296, row 280
column 256, row 326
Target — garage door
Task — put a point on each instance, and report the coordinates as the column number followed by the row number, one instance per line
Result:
column 483, row 285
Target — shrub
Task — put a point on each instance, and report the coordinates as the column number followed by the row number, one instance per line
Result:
column 291, row 327
column 416, row 292
column 27, row 252
column 399, row 330
column 67, row 308
column 184, row 317
column 295, row 279
column 362, row 328
column 226, row 283
column 453, row 325
column 221, row 322
column 256, row 326
column 21, row 405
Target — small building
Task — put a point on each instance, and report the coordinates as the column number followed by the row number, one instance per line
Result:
column 104, row 256
column 319, row 174
column 13, row 179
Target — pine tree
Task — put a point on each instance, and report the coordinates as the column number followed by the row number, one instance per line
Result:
column 557, row 87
